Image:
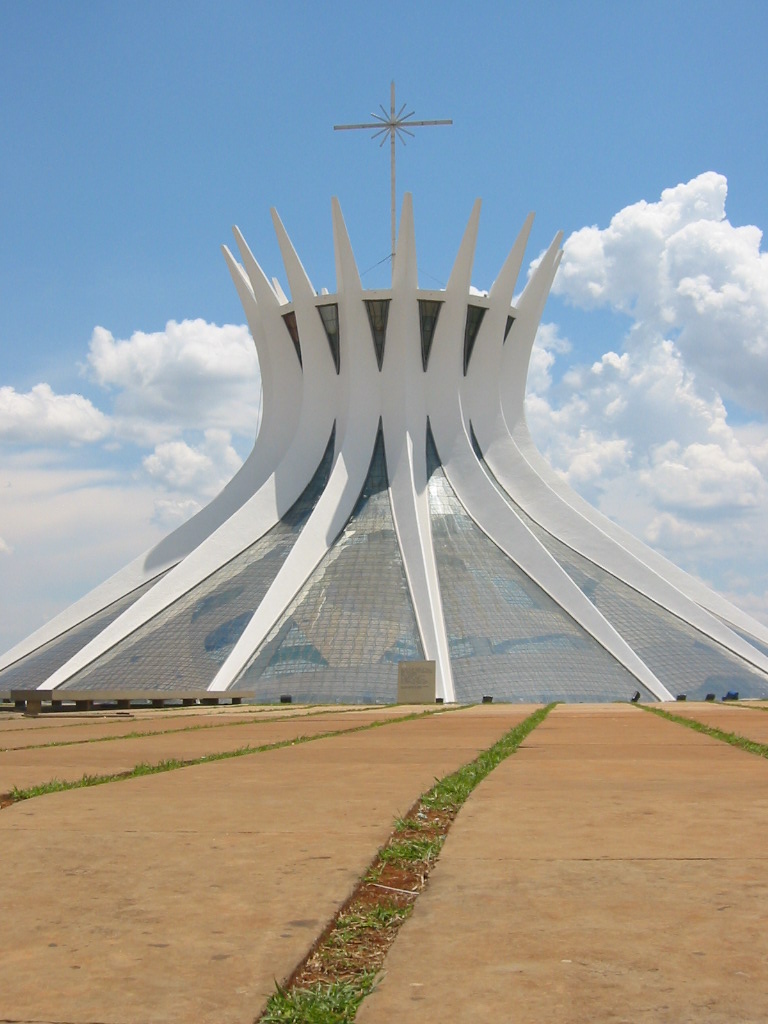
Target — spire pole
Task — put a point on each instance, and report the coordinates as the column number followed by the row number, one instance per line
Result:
column 396, row 125
column 392, row 170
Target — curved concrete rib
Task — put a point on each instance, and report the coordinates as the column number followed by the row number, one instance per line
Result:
column 658, row 579
column 262, row 510
column 404, row 416
column 673, row 574
column 357, row 427
column 482, row 501
column 525, row 486
column 557, row 517
column 128, row 579
column 277, row 427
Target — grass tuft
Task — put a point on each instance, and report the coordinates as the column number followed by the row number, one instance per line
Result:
column 411, row 850
column 322, row 1004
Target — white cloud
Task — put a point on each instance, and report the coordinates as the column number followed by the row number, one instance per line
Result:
column 192, row 473
column 644, row 431
column 172, row 403
column 192, row 375
column 685, row 274
column 41, row 417
column 66, row 529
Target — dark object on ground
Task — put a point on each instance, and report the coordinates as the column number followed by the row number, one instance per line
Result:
column 487, row 699
column 286, row 698
column 731, row 695
column 710, row 696
column 635, row 696
column 681, row 696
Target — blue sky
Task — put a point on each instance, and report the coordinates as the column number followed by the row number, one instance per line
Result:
column 134, row 136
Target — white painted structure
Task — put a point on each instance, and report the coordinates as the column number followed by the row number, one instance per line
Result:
column 366, row 368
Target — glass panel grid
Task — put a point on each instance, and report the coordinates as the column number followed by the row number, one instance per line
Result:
column 183, row 646
column 349, row 625
column 32, row 670
column 684, row 659
column 506, row 636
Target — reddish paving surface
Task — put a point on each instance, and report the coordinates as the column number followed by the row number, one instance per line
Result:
column 744, row 720
column 181, row 897
column 614, row 870
column 32, row 766
column 18, row 731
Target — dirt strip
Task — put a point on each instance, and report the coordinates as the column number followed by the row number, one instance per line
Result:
column 31, row 767
column 181, row 897
column 613, row 870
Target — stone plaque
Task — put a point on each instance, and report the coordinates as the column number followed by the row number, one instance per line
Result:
column 416, row 682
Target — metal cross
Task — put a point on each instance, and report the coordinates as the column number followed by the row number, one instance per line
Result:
column 395, row 125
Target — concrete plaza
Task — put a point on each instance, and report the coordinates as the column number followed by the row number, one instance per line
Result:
column 613, row 869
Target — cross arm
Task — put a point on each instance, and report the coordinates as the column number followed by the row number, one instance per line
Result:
column 345, row 127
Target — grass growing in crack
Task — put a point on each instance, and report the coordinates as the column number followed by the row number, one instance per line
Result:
column 408, row 825
column 340, row 970
column 328, row 1004
column 411, row 850
column 451, row 792
column 750, row 746
column 59, row 786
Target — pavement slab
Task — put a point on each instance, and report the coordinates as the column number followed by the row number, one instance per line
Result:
column 32, row 766
column 743, row 720
column 614, row 869
column 66, row 727
column 183, row 896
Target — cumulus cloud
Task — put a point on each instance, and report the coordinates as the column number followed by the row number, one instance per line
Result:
column 684, row 274
column 174, row 408
column 193, row 473
column 192, row 375
column 644, row 431
column 41, row 417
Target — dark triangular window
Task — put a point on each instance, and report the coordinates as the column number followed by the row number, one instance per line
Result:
column 289, row 319
column 475, row 316
column 429, row 310
column 433, row 459
column 378, row 311
column 508, row 328
column 329, row 314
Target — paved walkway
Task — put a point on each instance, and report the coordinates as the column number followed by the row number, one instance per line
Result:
column 68, row 726
column 614, row 870
column 181, row 897
column 744, row 720
column 34, row 765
